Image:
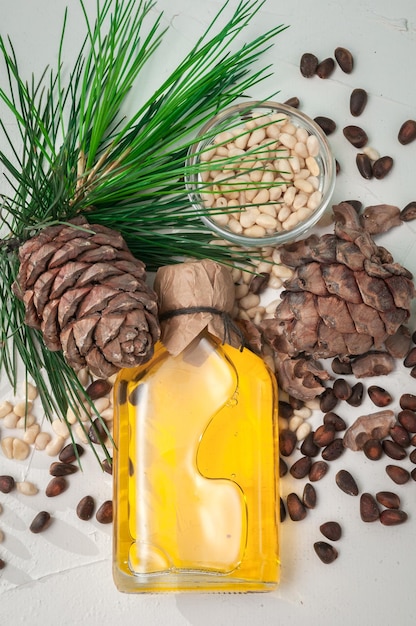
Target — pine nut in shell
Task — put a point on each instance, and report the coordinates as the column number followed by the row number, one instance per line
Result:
column 369, row 510
column 393, row 517
column 325, row 551
column 40, row 522
column 295, row 507
column 398, row 474
column 388, row 499
column 85, row 508
column 56, row 486
column 7, row 483
column 331, row 530
column 104, row 514
column 309, row 496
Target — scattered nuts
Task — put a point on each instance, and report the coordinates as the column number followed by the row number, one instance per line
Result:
column 326, row 123
column 342, row 389
column 382, row 167
column 104, row 515
column 27, row 488
column 408, row 401
column 408, row 213
column 328, row 400
column 325, row 68
column 407, row 419
column 85, row 508
column 301, row 467
column 295, row 507
column 388, row 499
column 344, row 59
column 325, row 552
column 398, row 474
column 98, row 389
column 380, row 397
column 358, row 101
column 6, row 407
column 334, row 419
column 373, row 449
column 364, row 165
column 309, row 447
column 324, row 435
column 318, row 470
column 333, row 450
column 309, row 496
column 369, row 510
column 40, row 522
column 410, row 360
column 393, row 450
column 71, row 452
column 282, row 510
column 287, row 442
column 356, row 396
column 346, row 482
column 331, row 530
column 293, row 102
column 56, row 486
column 62, row 469
column 355, row 135
column 400, row 435
column 392, row 517
column 407, row 132
column 308, row 64
column 7, row 484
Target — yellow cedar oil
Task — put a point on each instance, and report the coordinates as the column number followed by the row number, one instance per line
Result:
column 195, row 472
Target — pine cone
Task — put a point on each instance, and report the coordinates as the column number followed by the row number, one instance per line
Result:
column 347, row 296
column 87, row 293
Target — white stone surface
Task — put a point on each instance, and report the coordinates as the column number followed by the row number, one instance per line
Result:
column 63, row 576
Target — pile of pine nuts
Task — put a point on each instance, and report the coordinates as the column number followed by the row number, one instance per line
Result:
column 273, row 182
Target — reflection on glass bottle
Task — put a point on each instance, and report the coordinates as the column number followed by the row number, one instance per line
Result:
column 195, row 471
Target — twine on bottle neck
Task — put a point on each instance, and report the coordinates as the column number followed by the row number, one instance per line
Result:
column 229, row 325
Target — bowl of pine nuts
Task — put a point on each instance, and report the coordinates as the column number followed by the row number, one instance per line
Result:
column 260, row 173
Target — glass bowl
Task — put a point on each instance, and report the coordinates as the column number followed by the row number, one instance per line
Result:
column 260, row 173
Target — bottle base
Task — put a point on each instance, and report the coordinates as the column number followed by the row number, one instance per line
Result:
column 188, row 583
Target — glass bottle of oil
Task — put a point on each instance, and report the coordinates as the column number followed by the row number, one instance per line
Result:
column 195, row 491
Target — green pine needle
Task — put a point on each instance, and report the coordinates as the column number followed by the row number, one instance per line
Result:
column 80, row 154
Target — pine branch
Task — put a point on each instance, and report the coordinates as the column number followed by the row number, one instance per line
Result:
column 79, row 154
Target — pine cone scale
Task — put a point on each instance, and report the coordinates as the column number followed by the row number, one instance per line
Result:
column 69, row 252
column 69, row 302
column 66, row 278
column 84, row 333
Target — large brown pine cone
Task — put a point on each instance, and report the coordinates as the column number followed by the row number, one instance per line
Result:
column 347, row 296
column 87, row 293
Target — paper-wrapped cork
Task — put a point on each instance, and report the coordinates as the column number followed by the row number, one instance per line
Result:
column 193, row 284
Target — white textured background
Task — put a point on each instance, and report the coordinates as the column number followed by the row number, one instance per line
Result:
column 63, row 576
